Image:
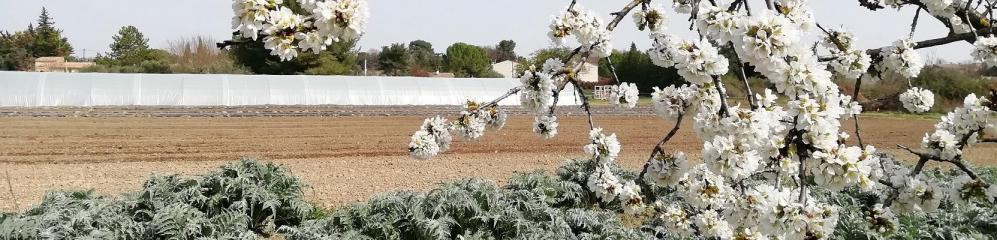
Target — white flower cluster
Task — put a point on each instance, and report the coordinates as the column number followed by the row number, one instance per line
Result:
column 917, row 100
column 666, row 170
column 902, row 59
column 538, row 86
column 767, row 36
column 625, row 95
column 651, row 19
column 847, row 62
column 474, row 119
column 604, row 184
column 946, row 9
column 587, row 27
column 717, row 23
column 285, row 31
column 545, row 126
column 967, row 122
column 673, row 101
column 965, row 190
column 917, row 195
column 845, row 167
column 986, row 50
column 798, row 12
column 697, row 61
column 602, row 148
column 881, row 220
column 536, row 94
column 432, row 138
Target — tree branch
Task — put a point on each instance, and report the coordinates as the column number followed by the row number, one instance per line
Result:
column 622, row 13
column 658, row 149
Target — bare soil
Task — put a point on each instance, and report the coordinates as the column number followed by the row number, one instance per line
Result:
column 345, row 159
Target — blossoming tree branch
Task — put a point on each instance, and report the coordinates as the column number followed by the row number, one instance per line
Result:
column 762, row 163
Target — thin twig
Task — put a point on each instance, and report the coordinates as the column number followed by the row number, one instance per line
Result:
column 658, row 149
column 855, row 97
column 913, row 25
column 10, row 189
column 723, row 96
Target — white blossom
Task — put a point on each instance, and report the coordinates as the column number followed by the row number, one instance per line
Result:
column 985, row 50
column 852, row 64
column 652, row 18
column 630, row 197
column 712, row 225
column 730, row 157
column 604, row 184
column 918, row 196
column 545, row 126
column 882, row 221
column 667, row 169
column 677, row 220
column 625, row 95
column 917, row 100
column 767, row 35
column 966, row 189
column 603, row 148
column 699, row 61
column 717, row 23
column 901, row 58
column 341, row 19
column 704, row 189
column 673, row 101
column 423, row 145
column 958, row 26
column 537, row 93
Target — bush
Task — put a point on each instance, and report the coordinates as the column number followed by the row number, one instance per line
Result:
column 253, row 200
column 242, row 200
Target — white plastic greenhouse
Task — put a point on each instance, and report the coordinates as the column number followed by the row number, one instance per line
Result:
column 32, row 89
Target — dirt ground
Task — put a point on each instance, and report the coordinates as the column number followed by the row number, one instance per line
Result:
column 344, row 159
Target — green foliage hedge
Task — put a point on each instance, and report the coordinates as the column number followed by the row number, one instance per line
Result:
column 249, row 199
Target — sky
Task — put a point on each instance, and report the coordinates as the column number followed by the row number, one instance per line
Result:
column 89, row 24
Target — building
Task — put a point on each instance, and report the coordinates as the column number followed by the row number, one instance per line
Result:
column 505, row 68
column 59, row 64
column 588, row 73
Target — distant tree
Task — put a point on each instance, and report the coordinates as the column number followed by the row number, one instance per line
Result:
column 635, row 66
column 130, row 46
column 506, row 50
column 19, row 50
column 466, row 60
column 539, row 57
column 15, row 53
column 48, row 40
column 338, row 59
column 394, row 60
column 423, row 56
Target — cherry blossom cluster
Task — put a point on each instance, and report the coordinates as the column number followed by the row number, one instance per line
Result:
column 959, row 128
column 672, row 102
column 285, row 32
column 587, row 28
column 625, row 95
column 985, row 50
column 434, row 136
column 847, row 62
column 760, row 162
column 902, row 59
column 917, row 100
column 649, row 18
column 538, row 92
column 606, row 186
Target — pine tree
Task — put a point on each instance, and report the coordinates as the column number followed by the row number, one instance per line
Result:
column 48, row 40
